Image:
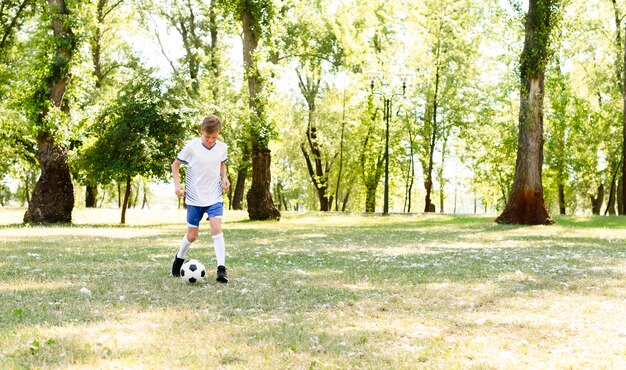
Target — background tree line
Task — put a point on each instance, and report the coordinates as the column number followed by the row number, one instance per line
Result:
column 96, row 98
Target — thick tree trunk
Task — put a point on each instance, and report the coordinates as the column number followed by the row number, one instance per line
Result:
column 260, row 203
column 53, row 196
column 526, row 203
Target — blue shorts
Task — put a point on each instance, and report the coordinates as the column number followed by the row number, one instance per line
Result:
column 195, row 213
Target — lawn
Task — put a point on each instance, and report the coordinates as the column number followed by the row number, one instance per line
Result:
column 315, row 291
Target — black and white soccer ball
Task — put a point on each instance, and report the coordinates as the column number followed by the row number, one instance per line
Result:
column 193, row 271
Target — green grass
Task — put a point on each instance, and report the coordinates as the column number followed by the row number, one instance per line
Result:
column 315, row 291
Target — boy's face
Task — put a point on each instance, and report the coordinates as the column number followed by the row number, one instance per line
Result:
column 208, row 139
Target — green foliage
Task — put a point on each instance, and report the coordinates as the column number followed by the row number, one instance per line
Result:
column 137, row 135
column 544, row 18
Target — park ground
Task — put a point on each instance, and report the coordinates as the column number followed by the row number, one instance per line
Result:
column 314, row 290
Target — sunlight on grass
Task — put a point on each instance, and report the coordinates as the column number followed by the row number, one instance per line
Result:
column 23, row 285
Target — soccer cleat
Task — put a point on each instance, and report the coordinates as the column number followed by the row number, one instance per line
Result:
column 221, row 274
column 176, row 265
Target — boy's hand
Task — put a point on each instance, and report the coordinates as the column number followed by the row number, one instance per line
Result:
column 179, row 190
column 225, row 183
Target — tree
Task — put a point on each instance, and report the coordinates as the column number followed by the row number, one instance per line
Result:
column 526, row 203
column 102, row 67
column 137, row 135
column 255, row 17
column 53, row 196
column 372, row 155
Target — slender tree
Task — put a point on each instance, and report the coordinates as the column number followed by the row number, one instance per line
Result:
column 620, row 66
column 526, row 203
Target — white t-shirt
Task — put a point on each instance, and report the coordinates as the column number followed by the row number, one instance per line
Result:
column 203, row 184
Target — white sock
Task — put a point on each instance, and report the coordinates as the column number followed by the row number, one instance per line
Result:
column 184, row 245
column 220, row 249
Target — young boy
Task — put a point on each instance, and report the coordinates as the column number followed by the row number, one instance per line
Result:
column 206, row 177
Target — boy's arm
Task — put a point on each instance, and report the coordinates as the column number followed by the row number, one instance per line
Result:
column 224, row 176
column 178, row 188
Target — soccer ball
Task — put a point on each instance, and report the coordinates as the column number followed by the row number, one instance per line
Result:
column 192, row 271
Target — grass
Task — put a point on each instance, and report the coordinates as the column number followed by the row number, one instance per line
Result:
column 315, row 291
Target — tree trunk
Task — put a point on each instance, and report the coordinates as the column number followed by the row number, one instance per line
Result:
column 623, row 192
column 620, row 199
column 319, row 172
column 126, row 200
column 53, row 196
column 371, row 171
column 428, row 183
column 215, row 62
column 344, row 203
column 260, row 203
column 343, row 125
column 242, row 173
column 596, row 202
column 91, row 195
column 610, row 207
column 370, row 198
column 561, row 199
column 526, row 204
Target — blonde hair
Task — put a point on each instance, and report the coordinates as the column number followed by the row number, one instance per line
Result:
column 211, row 124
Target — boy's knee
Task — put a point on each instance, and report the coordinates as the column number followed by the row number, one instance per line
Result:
column 192, row 236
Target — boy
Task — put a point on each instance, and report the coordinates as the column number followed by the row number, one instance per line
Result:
column 206, row 177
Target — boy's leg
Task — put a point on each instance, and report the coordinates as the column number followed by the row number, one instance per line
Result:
column 220, row 249
column 194, row 214
column 215, row 217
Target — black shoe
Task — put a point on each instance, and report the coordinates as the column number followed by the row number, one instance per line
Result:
column 221, row 274
column 176, row 265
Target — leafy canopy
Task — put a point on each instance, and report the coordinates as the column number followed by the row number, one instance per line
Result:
column 136, row 135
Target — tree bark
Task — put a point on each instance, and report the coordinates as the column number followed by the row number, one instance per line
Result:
column 526, row 204
column 596, row 202
column 561, row 199
column 242, row 173
column 260, row 203
column 623, row 86
column 53, row 196
column 428, row 179
column 91, row 195
column 318, row 172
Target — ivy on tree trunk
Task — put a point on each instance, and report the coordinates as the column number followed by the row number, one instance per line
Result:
column 53, row 196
